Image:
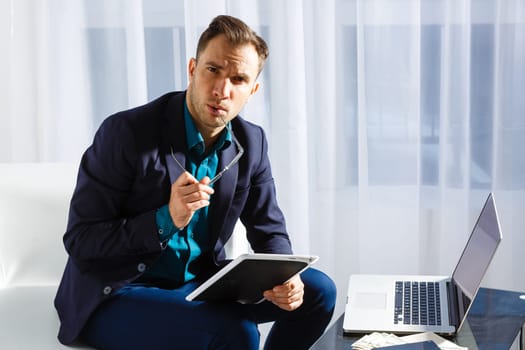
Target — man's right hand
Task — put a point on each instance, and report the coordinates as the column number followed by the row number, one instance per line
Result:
column 187, row 196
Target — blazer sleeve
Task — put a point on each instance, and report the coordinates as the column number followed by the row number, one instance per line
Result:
column 102, row 232
column 262, row 216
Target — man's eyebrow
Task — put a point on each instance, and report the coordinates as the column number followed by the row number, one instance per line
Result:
column 215, row 64
column 242, row 74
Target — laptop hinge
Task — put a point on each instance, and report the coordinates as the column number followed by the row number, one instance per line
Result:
column 452, row 299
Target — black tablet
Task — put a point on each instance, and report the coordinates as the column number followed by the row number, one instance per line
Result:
column 246, row 278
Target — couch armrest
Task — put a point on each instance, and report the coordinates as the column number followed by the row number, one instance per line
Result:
column 34, row 202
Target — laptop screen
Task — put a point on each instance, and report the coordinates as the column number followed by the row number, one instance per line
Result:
column 476, row 256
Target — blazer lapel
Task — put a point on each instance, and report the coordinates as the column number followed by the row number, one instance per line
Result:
column 174, row 137
column 224, row 192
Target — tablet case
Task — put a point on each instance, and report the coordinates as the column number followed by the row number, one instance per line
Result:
column 246, row 278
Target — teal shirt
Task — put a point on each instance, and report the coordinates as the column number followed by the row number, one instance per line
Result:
column 183, row 247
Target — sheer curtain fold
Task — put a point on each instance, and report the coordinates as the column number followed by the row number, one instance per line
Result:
column 388, row 121
column 321, row 121
column 136, row 53
column 288, row 133
column 46, row 114
column 6, row 29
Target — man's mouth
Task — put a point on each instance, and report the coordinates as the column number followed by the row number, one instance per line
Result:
column 217, row 109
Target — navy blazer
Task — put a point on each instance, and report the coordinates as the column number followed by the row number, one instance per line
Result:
column 125, row 176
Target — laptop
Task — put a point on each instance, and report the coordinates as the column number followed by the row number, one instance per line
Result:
column 413, row 303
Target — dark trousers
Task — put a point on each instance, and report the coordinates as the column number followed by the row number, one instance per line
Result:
column 144, row 317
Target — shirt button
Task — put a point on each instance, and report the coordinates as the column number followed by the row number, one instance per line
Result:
column 161, row 231
column 141, row 267
column 107, row 290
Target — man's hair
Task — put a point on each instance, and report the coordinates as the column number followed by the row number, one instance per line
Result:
column 237, row 33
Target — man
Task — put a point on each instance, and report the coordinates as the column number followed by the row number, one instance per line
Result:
column 158, row 194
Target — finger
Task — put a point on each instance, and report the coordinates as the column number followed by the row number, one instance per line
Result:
column 290, row 287
column 185, row 179
column 194, row 194
column 289, row 304
column 288, row 297
column 191, row 192
column 204, row 185
column 283, row 295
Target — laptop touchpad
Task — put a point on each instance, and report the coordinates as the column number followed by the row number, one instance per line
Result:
column 370, row 300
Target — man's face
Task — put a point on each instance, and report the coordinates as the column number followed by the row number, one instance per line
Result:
column 220, row 84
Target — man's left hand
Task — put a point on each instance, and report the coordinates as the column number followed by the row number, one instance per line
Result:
column 287, row 296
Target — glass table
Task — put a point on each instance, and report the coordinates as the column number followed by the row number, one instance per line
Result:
column 494, row 322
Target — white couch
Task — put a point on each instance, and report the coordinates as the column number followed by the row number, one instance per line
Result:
column 34, row 201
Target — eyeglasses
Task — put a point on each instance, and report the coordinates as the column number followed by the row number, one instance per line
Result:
column 227, row 167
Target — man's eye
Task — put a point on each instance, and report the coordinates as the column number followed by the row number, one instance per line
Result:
column 238, row 79
column 212, row 69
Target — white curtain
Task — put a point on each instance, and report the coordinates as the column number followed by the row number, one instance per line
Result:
column 389, row 121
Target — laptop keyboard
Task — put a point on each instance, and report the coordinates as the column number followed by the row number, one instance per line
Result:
column 417, row 303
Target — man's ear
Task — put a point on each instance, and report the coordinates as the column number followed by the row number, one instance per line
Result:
column 255, row 88
column 191, row 67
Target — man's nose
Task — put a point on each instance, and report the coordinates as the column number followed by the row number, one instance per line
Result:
column 222, row 89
